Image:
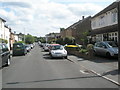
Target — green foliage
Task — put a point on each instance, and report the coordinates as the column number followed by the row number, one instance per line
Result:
column 20, row 42
column 84, row 38
column 60, row 41
column 66, row 40
column 83, row 50
column 90, row 47
column 29, row 39
column 35, row 39
column 41, row 39
column 3, row 40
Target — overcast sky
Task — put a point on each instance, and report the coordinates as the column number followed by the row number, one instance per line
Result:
column 40, row 17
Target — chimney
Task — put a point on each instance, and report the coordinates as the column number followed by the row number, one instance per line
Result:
column 83, row 17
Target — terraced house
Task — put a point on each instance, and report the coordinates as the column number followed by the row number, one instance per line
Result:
column 104, row 24
column 2, row 24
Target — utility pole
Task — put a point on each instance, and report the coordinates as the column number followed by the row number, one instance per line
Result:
column 24, row 34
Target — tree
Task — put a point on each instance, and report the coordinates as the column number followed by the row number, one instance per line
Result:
column 60, row 41
column 84, row 38
column 20, row 42
column 69, row 40
column 29, row 39
column 3, row 40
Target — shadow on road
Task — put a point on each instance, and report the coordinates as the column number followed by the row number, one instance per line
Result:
column 38, row 81
column 113, row 72
column 48, row 57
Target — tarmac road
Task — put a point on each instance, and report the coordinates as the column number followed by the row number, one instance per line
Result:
column 38, row 70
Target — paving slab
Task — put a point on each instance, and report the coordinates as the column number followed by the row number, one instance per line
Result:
column 105, row 70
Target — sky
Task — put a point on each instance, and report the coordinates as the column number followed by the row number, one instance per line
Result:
column 41, row 17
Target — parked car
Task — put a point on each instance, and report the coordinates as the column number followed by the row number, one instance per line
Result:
column 19, row 49
column 31, row 46
column 28, row 48
column 46, row 47
column 58, row 51
column 106, row 48
column 50, row 46
column 5, row 55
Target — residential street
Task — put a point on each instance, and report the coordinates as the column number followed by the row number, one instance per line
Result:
column 38, row 70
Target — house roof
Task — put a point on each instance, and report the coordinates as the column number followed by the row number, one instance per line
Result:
column 110, row 7
column 77, row 23
column 2, row 19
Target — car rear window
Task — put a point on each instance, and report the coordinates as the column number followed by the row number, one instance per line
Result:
column 18, row 46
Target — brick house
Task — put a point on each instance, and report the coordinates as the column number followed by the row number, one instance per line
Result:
column 82, row 29
column 104, row 24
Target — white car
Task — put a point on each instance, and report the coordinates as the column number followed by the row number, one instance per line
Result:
column 58, row 51
column 45, row 47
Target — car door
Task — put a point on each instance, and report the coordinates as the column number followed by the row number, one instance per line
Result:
column 102, row 49
column 97, row 48
column 5, row 54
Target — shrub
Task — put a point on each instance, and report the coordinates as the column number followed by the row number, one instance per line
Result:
column 3, row 40
column 20, row 42
column 83, row 50
column 90, row 47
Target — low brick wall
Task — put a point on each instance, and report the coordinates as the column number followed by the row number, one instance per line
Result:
column 89, row 56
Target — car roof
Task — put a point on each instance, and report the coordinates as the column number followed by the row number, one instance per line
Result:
column 54, row 44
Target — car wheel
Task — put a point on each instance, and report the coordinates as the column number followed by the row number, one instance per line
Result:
column 108, row 54
column 65, row 57
column 8, row 62
column 94, row 53
column 51, row 56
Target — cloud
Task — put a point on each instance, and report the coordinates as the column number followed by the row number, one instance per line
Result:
column 16, row 4
column 82, row 1
column 84, row 9
column 40, row 17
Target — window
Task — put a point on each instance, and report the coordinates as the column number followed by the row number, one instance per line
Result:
column 114, row 16
column 115, row 34
column 4, row 48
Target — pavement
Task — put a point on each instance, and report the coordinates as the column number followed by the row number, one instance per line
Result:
column 107, row 70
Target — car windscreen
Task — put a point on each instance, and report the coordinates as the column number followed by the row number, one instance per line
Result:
column 113, row 44
column 18, row 46
column 57, row 47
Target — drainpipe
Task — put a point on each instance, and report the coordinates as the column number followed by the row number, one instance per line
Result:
column 118, row 7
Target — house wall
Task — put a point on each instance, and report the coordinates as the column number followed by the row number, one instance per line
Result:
column 104, row 26
column 16, row 38
column 107, row 19
column 2, row 28
column 7, row 36
column 81, row 28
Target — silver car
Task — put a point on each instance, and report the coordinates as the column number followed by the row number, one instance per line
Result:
column 106, row 48
column 58, row 51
